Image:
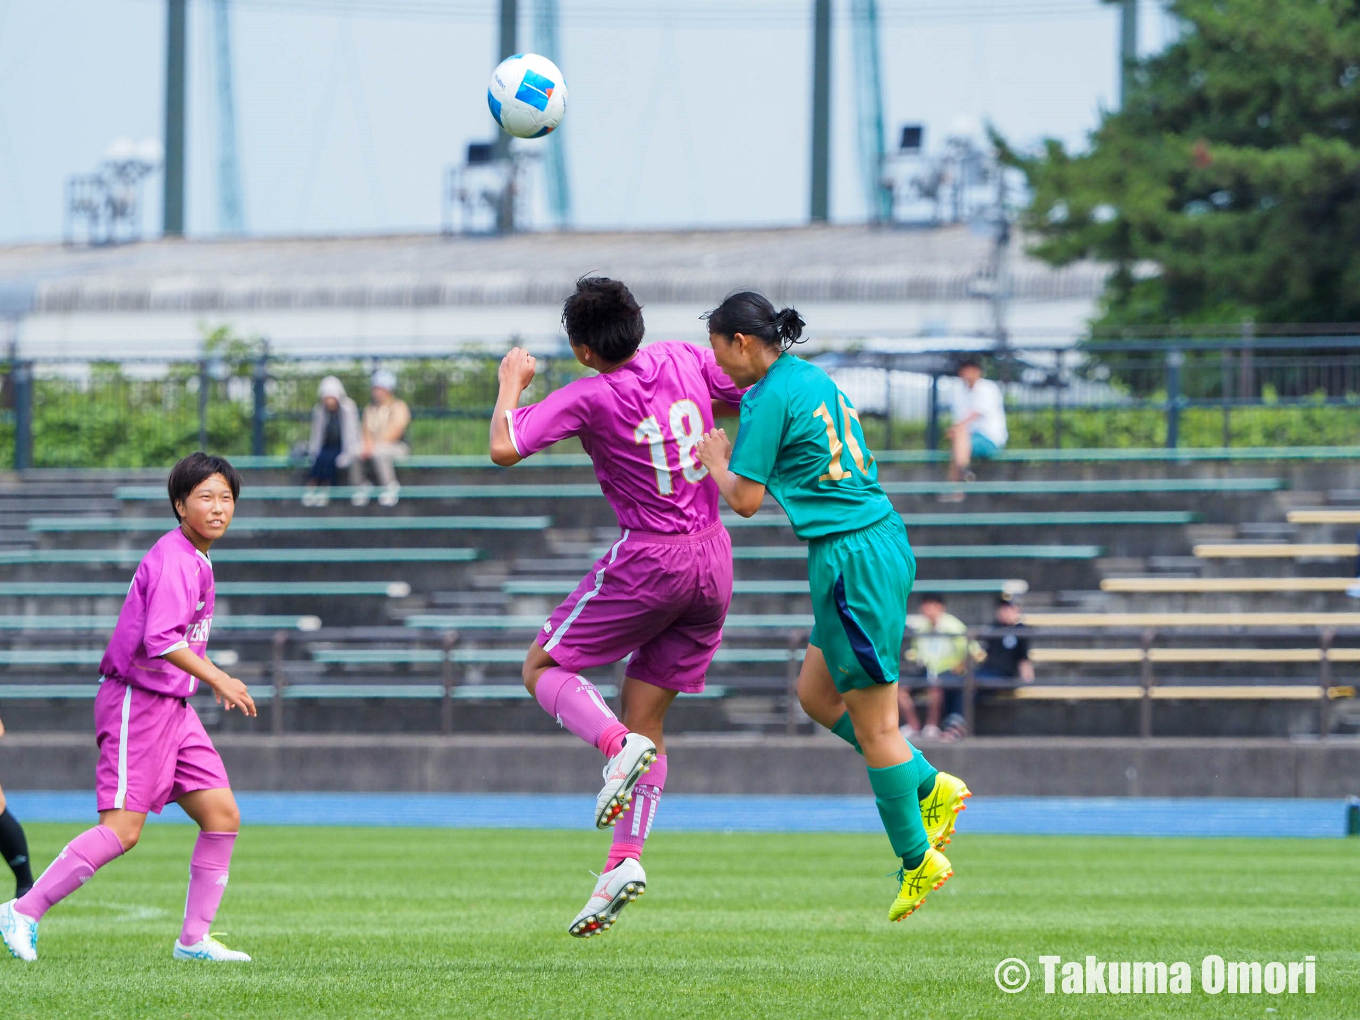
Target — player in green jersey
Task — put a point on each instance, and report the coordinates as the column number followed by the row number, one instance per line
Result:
column 800, row 439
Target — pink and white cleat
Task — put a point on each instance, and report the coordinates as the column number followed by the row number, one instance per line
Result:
column 621, row 774
column 614, row 891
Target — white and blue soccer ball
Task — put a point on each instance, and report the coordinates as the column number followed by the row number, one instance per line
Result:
column 527, row 95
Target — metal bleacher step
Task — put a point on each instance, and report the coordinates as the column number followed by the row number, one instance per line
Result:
column 1180, row 566
column 470, row 601
column 572, row 566
column 1121, row 565
column 1211, row 532
column 1083, row 601
column 1267, row 531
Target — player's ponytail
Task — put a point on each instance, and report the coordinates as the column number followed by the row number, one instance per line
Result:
column 751, row 313
column 789, row 325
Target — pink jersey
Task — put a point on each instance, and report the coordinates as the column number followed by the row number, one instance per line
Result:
column 640, row 423
column 169, row 606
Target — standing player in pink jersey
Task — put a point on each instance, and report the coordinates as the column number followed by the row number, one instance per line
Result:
column 662, row 590
column 152, row 747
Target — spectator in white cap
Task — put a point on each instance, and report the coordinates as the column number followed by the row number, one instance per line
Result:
column 334, row 440
column 380, row 447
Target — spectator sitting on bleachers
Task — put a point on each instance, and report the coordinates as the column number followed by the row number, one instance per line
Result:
column 1006, row 663
column 380, row 446
column 939, row 647
column 334, row 441
column 979, row 428
column 1007, row 656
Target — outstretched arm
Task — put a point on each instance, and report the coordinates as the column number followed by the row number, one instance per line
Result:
column 742, row 494
column 516, row 372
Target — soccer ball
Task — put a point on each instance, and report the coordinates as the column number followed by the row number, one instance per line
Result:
column 527, row 95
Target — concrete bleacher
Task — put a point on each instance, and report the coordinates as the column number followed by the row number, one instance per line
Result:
column 417, row 617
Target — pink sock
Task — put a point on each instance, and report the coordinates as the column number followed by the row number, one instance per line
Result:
column 630, row 831
column 577, row 705
column 74, row 866
column 207, row 882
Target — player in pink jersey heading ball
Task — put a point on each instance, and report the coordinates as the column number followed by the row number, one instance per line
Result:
column 662, row 590
column 152, row 747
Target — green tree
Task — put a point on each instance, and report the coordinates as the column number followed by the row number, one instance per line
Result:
column 1228, row 187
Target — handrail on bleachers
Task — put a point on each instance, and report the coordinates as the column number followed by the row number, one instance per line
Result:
column 305, row 522
column 309, row 555
column 1146, row 655
column 452, row 657
column 591, row 490
column 1040, row 455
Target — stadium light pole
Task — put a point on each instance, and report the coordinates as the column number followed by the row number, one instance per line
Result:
column 1128, row 47
column 821, row 109
column 176, row 38
column 509, row 46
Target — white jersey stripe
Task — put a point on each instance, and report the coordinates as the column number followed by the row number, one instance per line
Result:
column 510, row 424
column 121, row 795
column 581, row 604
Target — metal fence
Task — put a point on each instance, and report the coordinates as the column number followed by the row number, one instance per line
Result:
column 1196, row 392
column 441, row 675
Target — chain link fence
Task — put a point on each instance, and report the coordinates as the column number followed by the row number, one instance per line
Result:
column 1202, row 392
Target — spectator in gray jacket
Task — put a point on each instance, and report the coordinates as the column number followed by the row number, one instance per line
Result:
column 334, row 441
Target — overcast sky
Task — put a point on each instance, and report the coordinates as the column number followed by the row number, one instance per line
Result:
column 681, row 113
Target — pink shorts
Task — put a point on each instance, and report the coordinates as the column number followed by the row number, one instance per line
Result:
column 152, row 750
column 662, row 597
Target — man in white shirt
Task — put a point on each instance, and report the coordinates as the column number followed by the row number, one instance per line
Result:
column 979, row 429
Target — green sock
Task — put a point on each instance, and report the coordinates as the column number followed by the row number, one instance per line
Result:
column 845, row 729
column 895, row 794
column 925, row 774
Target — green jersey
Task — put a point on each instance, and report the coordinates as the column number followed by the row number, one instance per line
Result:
column 802, row 439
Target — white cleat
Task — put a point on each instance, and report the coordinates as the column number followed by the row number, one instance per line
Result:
column 615, row 890
column 621, row 774
column 19, row 931
column 210, row 950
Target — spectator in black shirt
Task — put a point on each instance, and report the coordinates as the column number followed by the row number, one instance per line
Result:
column 1007, row 654
column 1006, row 663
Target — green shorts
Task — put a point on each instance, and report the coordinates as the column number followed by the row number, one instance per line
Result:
column 860, row 581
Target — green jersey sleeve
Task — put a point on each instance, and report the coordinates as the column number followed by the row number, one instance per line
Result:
column 760, row 433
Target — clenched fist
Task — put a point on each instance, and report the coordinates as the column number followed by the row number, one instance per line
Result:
column 517, row 368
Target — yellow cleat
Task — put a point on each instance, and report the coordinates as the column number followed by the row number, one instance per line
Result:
column 942, row 807
column 932, row 873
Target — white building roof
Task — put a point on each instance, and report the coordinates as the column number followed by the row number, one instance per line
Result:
column 822, row 263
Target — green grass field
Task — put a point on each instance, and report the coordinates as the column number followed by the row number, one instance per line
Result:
column 349, row 922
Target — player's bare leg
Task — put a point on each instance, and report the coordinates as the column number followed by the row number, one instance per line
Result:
column 576, row 705
column 940, row 794
column 906, row 709
column 623, row 878
column 644, row 709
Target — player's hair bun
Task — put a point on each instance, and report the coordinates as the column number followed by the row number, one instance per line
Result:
column 788, row 324
column 604, row 316
column 750, row 313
